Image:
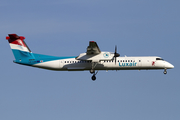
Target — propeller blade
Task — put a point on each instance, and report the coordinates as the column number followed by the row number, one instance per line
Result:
column 116, row 54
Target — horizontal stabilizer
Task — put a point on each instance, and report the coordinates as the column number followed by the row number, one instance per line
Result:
column 12, row 37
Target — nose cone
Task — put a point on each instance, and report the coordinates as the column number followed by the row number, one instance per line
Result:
column 169, row 66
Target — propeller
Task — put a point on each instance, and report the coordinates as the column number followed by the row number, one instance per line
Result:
column 116, row 54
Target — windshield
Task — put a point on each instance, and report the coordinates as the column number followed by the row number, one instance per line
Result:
column 159, row 59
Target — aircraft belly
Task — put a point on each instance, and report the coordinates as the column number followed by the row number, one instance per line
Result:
column 52, row 65
column 77, row 67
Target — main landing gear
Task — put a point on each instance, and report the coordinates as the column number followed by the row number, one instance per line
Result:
column 92, row 71
column 93, row 77
column 165, row 71
column 94, row 74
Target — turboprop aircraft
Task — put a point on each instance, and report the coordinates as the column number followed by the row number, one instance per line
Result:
column 93, row 60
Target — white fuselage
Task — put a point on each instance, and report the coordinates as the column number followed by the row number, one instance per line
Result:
column 122, row 63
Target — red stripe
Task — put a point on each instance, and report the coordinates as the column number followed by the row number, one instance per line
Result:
column 15, row 39
column 17, row 42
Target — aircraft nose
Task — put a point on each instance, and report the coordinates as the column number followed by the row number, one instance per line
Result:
column 169, row 66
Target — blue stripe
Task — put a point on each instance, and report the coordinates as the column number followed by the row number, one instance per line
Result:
column 28, row 58
column 22, row 55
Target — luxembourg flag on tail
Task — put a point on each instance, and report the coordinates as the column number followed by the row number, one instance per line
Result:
column 17, row 42
column 20, row 50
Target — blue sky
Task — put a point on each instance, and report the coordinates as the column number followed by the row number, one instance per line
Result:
column 64, row 28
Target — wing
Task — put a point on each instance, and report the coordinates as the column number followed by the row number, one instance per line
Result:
column 93, row 48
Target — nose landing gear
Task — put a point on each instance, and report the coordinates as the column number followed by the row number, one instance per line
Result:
column 165, row 71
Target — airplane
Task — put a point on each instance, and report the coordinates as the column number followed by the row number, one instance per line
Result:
column 93, row 60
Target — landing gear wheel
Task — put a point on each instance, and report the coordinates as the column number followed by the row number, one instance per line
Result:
column 165, row 72
column 93, row 77
column 94, row 74
column 92, row 71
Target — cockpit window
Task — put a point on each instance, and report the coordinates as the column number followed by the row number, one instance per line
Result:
column 159, row 59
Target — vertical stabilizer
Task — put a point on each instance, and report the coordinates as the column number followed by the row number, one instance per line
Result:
column 21, row 51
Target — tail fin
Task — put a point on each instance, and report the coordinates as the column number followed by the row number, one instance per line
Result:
column 21, row 51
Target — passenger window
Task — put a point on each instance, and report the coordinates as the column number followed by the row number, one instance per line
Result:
column 128, row 60
column 139, row 60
